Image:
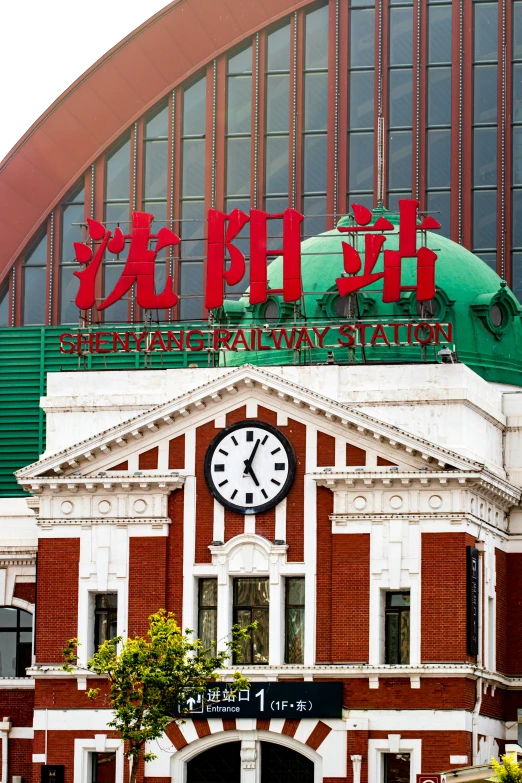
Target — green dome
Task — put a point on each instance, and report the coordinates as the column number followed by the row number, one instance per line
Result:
column 484, row 313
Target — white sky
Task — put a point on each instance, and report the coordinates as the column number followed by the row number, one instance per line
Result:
column 46, row 44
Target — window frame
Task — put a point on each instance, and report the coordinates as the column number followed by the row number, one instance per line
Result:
column 236, row 608
column 390, row 611
column 18, row 629
column 286, row 618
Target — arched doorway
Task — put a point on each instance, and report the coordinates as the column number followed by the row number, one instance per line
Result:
column 219, row 764
column 281, row 764
column 277, row 764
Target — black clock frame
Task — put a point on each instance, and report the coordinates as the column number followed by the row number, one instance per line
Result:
column 285, row 489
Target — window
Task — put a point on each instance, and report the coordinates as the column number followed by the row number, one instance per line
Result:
column 35, row 284
column 207, row 615
column 72, row 220
column 294, row 620
column 251, row 598
column 4, row 304
column 117, row 213
column 396, row 768
column 103, row 767
column 105, row 618
column 397, row 628
column 16, row 635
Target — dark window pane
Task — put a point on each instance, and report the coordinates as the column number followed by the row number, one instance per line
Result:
column 103, row 767
column 485, row 156
column 397, row 599
column 365, row 199
column 360, row 164
column 260, row 636
column 485, row 32
column 401, row 36
column 314, row 164
column 156, row 164
column 241, row 62
column 38, row 255
column 490, row 259
column 394, row 198
column 242, row 240
column 251, row 592
column 239, row 104
column 191, row 278
column 219, row 764
column 439, row 158
column 399, row 166
column 207, row 629
column 438, row 205
column 118, row 173
column 159, row 210
column 517, row 92
column 485, row 94
column 401, row 98
column 8, row 654
column 238, row 166
column 8, row 617
column 72, row 214
column 278, row 49
column 517, row 218
column 439, row 34
column 191, row 309
column 194, row 109
column 208, row 592
column 517, row 31
column 192, row 229
column 157, row 126
column 294, row 634
column 117, row 214
column 277, row 102
column 517, row 155
column 26, row 619
column 516, row 284
column 295, row 591
column 193, row 168
column 316, row 38
column 484, row 219
column 396, row 768
column 277, row 164
column 314, row 208
column 4, row 305
column 361, row 99
column 439, row 96
column 68, row 289
column 118, row 312
column 35, row 299
column 77, row 197
column 316, row 101
column 362, row 38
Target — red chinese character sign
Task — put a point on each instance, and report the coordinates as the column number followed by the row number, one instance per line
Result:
column 373, row 244
column 224, row 228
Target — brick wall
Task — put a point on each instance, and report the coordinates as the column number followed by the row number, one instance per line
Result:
column 26, row 591
column 57, row 609
column 147, row 580
column 174, row 576
column 397, row 694
column 513, row 626
column 63, row 694
column 177, row 453
column 325, row 450
column 443, row 619
column 204, row 500
column 501, row 565
column 350, row 591
column 18, row 706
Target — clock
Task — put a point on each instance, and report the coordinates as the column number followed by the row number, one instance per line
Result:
column 250, row 467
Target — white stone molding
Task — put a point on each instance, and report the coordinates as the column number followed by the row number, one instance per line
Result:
column 17, row 564
column 103, row 568
column 356, row 767
column 489, row 609
column 251, row 555
column 377, row 749
column 239, row 383
column 83, row 749
column 250, row 753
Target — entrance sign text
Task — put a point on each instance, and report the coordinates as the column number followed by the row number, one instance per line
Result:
column 224, row 228
column 268, row 700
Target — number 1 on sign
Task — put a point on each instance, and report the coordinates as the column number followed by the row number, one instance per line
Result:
column 261, row 697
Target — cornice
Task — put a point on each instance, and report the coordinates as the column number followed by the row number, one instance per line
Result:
column 210, row 394
column 107, row 482
column 87, row 522
column 12, row 556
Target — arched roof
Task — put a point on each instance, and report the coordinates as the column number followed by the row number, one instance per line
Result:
column 109, row 97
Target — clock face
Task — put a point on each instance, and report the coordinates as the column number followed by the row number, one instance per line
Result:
column 250, row 467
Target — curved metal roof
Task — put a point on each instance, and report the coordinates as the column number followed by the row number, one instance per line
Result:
column 100, row 105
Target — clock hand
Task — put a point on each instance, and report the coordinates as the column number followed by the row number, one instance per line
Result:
column 248, row 462
column 256, row 482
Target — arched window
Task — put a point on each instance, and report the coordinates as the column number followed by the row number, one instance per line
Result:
column 35, row 284
column 16, row 633
column 4, row 304
column 220, row 764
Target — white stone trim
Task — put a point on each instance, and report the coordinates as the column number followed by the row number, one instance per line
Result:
column 189, row 532
column 377, row 749
column 82, row 757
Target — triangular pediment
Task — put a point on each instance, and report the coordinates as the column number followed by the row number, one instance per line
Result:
column 153, row 434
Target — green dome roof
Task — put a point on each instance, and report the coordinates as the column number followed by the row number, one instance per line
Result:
column 486, row 316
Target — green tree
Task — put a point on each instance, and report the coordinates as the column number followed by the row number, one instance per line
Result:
column 149, row 677
column 506, row 772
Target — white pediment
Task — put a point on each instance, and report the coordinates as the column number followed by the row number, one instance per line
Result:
column 89, row 461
